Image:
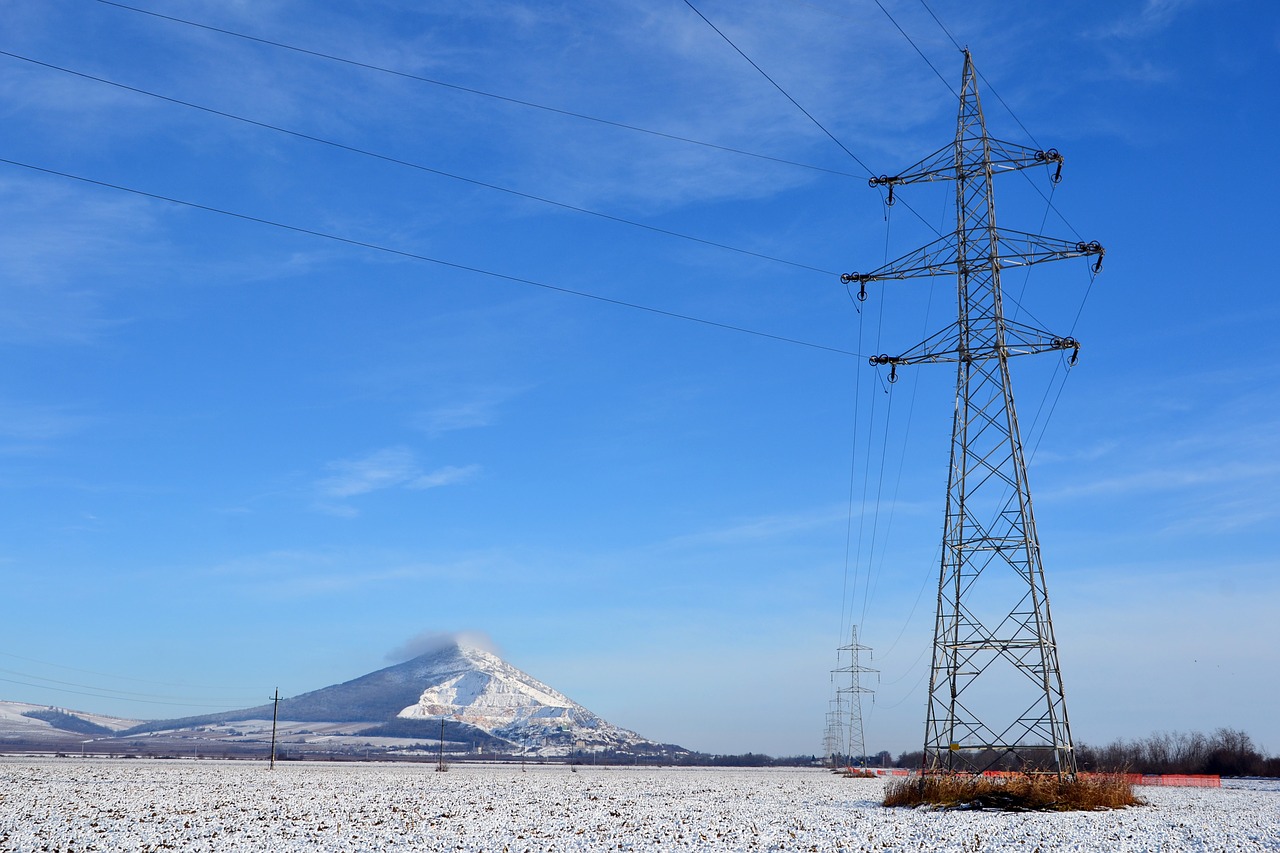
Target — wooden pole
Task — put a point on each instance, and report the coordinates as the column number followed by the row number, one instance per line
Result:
column 440, row 764
column 275, row 711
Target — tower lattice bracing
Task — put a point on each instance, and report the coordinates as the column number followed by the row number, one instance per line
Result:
column 995, row 688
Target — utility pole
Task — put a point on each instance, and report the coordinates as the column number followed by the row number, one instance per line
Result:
column 857, row 745
column 995, row 687
column 440, row 768
column 275, row 712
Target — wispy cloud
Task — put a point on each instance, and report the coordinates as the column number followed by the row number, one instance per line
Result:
column 446, row 476
column 762, row 529
column 318, row 572
column 27, row 427
column 1119, row 41
column 389, row 468
column 431, row 641
column 382, row 469
column 1155, row 15
column 1207, row 470
column 54, row 234
column 667, row 70
column 1085, row 453
column 1164, row 478
column 477, row 409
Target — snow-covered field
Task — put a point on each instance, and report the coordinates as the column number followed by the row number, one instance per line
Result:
column 86, row 804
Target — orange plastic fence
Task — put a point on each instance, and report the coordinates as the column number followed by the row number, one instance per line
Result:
column 1176, row 780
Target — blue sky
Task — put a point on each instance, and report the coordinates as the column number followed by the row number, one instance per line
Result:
column 235, row 456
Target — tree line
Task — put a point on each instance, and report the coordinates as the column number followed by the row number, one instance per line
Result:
column 1225, row 752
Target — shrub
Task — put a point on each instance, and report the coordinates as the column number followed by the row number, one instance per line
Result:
column 1026, row 792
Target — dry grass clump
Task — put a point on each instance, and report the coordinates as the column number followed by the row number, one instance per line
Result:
column 1043, row 792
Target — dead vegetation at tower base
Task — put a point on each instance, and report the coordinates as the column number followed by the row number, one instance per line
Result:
column 1013, row 792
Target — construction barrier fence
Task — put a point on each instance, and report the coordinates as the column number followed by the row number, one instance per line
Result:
column 1176, row 780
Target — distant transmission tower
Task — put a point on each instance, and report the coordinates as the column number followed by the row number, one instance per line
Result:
column 856, row 741
column 833, row 745
column 995, row 689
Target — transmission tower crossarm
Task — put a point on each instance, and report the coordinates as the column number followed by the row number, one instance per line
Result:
column 946, row 346
column 1021, row 249
column 1015, row 249
column 941, row 164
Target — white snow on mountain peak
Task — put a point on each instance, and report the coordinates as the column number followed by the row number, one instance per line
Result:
column 482, row 690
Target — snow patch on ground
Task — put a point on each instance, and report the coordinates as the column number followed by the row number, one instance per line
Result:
column 233, row 806
column 13, row 717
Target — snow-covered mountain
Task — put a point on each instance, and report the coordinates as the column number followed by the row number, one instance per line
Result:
column 472, row 686
column 484, row 701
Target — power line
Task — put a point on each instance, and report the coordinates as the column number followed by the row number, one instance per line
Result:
column 411, row 165
column 942, row 25
column 985, row 82
column 992, row 89
column 297, row 229
column 1008, row 108
column 471, row 91
column 569, row 113
column 796, row 103
column 784, row 92
column 121, row 694
column 873, row 578
column 911, row 42
column 846, row 607
column 104, row 695
column 111, row 675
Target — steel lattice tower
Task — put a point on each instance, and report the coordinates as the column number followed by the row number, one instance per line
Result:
column 856, row 741
column 995, row 689
column 833, row 745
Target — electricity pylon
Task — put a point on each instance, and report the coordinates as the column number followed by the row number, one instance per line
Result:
column 856, row 741
column 833, row 745
column 995, row 688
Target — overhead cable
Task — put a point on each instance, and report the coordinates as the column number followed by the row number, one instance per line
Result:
column 912, row 42
column 111, row 675
column 944, row 27
column 104, row 695
column 990, row 88
column 297, row 229
column 784, row 92
column 411, row 165
column 1048, row 199
column 472, row 91
column 794, row 102
column 130, row 695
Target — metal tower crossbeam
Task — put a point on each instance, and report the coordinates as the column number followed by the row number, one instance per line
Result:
column 941, row 164
column 944, row 256
column 995, row 687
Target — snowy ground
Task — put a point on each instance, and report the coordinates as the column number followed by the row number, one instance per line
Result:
column 86, row 804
